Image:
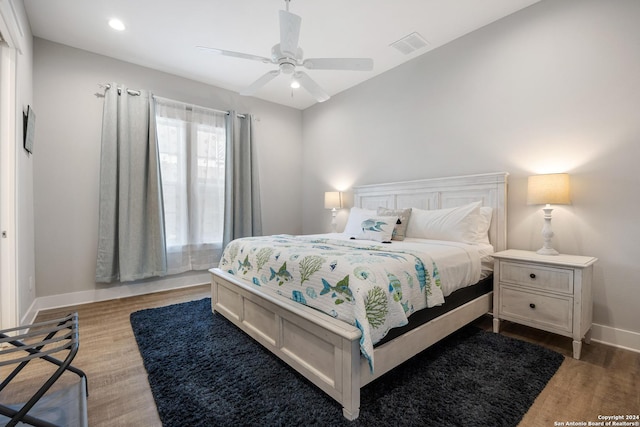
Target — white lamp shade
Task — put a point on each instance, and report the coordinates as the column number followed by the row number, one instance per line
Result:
column 548, row 189
column 332, row 200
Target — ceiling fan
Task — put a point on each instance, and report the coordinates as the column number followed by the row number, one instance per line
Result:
column 288, row 55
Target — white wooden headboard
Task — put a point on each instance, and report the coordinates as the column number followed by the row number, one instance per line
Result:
column 439, row 193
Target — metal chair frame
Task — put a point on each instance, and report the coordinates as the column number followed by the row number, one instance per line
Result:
column 40, row 341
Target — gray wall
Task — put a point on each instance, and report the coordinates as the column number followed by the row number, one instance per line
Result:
column 552, row 88
column 67, row 156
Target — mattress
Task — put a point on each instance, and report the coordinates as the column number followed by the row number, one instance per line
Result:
column 453, row 301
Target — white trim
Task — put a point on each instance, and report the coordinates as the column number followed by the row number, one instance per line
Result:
column 627, row 340
column 113, row 292
column 10, row 25
column 8, row 136
column 607, row 335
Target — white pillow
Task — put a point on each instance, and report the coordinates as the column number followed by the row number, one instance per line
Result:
column 356, row 216
column 484, row 223
column 458, row 224
column 378, row 228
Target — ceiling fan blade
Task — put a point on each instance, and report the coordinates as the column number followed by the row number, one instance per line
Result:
column 289, row 32
column 266, row 78
column 354, row 64
column 235, row 54
column 311, row 86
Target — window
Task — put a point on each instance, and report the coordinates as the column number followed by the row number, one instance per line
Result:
column 191, row 144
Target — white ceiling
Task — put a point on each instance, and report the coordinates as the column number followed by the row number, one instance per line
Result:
column 163, row 34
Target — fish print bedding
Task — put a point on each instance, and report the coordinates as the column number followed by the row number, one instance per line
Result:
column 372, row 287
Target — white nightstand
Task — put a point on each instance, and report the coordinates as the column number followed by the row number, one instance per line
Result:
column 547, row 292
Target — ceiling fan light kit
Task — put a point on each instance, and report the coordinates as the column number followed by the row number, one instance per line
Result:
column 287, row 55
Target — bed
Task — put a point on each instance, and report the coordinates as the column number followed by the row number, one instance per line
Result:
column 327, row 350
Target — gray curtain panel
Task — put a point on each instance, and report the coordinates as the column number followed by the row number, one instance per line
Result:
column 131, row 243
column 242, row 216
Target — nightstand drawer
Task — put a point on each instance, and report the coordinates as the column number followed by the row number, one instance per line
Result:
column 533, row 309
column 549, row 278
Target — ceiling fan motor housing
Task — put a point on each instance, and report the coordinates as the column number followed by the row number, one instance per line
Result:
column 285, row 60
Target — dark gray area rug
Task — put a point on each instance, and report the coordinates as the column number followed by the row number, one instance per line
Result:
column 203, row 371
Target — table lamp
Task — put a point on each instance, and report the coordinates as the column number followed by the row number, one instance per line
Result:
column 546, row 190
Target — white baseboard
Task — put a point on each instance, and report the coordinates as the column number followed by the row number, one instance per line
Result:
column 114, row 292
column 621, row 338
column 607, row 335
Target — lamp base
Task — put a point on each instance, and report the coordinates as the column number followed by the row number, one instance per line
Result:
column 333, row 220
column 547, row 251
column 547, row 234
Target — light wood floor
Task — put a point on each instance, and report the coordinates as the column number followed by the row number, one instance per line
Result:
column 604, row 382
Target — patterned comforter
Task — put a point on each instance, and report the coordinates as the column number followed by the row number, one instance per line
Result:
column 372, row 287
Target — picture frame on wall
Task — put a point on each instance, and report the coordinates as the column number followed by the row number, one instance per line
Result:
column 29, row 129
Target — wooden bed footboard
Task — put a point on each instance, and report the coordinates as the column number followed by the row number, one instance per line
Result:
column 324, row 350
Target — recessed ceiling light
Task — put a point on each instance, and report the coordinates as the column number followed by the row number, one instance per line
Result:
column 116, row 24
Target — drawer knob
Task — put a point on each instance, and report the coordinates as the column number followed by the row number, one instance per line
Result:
column 532, row 305
column 532, row 275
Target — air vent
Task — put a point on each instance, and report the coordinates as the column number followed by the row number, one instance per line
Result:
column 410, row 43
